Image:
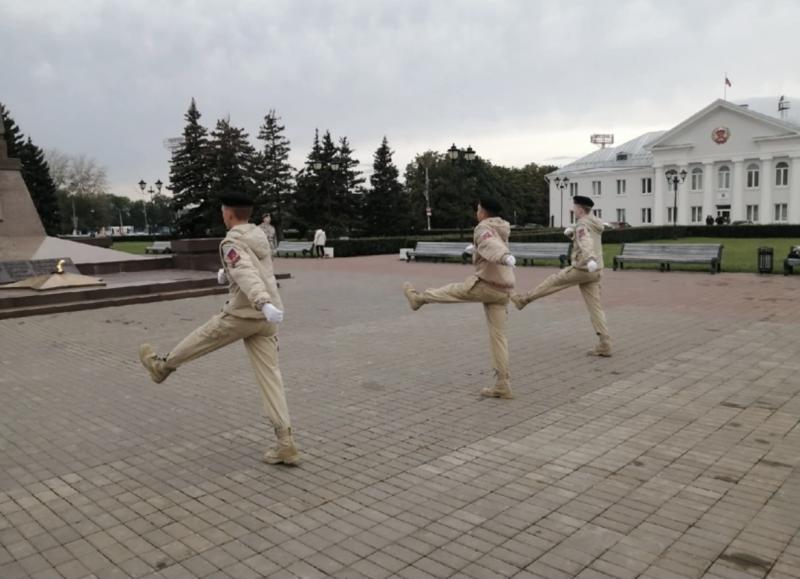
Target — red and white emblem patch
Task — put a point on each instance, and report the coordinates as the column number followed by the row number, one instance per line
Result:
column 232, row 256
column 581, row 233
column 487, row 235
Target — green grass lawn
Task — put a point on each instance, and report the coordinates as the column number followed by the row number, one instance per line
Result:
column 136, row 247
column 738, row 254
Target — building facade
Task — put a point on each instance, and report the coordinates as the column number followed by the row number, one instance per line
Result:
column 739, row 165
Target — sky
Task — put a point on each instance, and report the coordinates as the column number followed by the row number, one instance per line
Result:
column 520, row 81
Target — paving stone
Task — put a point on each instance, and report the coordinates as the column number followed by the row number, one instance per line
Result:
column 677, row 455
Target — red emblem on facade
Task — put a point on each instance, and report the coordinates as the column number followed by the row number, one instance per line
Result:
column 720, row 135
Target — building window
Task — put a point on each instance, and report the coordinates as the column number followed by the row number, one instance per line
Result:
column 697, row 179
column 671, row 214
column 597, row 188
column 724, row 181
column 782, row 174
column 752, row 176
column 598, row 212
column 781, row 213
column 697, row 214
column 572, row 217
column 621, row 186
column 752, row 213
column 621, row 215
column 647, row 215
column 647, row 185
column 573, row 189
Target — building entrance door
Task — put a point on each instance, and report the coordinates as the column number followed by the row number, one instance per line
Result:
column 724, row 212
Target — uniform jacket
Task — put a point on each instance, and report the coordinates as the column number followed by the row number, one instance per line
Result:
column 247, row 260
column 586, row 242
column 491, row 246
column 319, row 237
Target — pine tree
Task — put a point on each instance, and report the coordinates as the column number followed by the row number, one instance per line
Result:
column 348, row 182
column 35, row 173
column 309, row 203
column 14, row 137
column 233, row 168
column 190, row 178
column 37, row 177
column 274, row 172
column 386, row 210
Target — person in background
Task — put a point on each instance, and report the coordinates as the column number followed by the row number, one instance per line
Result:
column 319, row 243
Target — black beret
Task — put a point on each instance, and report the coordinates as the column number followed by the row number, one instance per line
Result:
column 581, row 200
column 235, row 199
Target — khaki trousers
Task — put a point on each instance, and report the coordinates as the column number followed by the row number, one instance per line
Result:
column 261, row 342
column 494, row 306
column 589, row 284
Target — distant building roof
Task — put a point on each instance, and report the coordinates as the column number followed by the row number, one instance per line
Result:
column 629, row 155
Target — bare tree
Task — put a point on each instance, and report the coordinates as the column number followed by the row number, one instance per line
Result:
column 76, row 174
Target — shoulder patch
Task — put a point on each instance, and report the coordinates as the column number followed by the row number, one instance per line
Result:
column 581, row 232
column 487, row 235
column 232, row 256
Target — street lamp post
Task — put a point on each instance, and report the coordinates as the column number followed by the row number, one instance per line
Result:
column 142, row 185
column 561, row 184
column 425, row 164
column 454, row 153
column 673, row 180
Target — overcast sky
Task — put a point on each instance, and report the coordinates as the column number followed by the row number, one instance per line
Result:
column 519, row 80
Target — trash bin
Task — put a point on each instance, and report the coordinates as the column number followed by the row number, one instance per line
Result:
column 765, row 259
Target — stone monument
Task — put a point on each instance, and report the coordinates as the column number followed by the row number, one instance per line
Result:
column 23, row 239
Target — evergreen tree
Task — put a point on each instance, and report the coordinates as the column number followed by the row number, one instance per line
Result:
column 35, row 173
column 347, row 185
column 14, row 137
column 233, row 165
column 274, row 172
column 37, row 177
column 386, row 210
column 190, row 178
column 309, row 207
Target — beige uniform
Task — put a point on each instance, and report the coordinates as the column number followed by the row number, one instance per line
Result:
column 490, row 285
column 586, row 246
column 247, row 260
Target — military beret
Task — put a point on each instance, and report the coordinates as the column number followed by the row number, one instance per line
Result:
column 235, row 199
column 581, row 200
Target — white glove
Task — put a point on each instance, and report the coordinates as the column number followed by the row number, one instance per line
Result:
column 469, row 249
column 569, row 232
column 591, row 266
column 510, row 261
column 222, row 279
column 273, row 314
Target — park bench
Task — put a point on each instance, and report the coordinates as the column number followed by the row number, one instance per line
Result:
column 532, row 251
column 159, row 247
column 293, row 248
column 668, row 253
column 792, row 260
column 439, row 250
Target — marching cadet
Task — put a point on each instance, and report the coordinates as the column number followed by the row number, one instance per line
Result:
column 491, row 285
column 585, row 271
column 251, row 314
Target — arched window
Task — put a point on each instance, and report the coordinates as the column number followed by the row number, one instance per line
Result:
column 697, row 179
column 724, row 181
column 782, row 174
column 752, row 176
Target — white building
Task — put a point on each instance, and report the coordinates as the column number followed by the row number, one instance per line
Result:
column 740, row 163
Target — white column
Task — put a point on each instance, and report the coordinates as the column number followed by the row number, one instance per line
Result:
column 659, row 186
column 766, row 213
column 737, row 191
column 709, row 207
column 794, row 191
column 683, row 199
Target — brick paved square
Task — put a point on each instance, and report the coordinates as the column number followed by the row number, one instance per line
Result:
column 677, row 456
